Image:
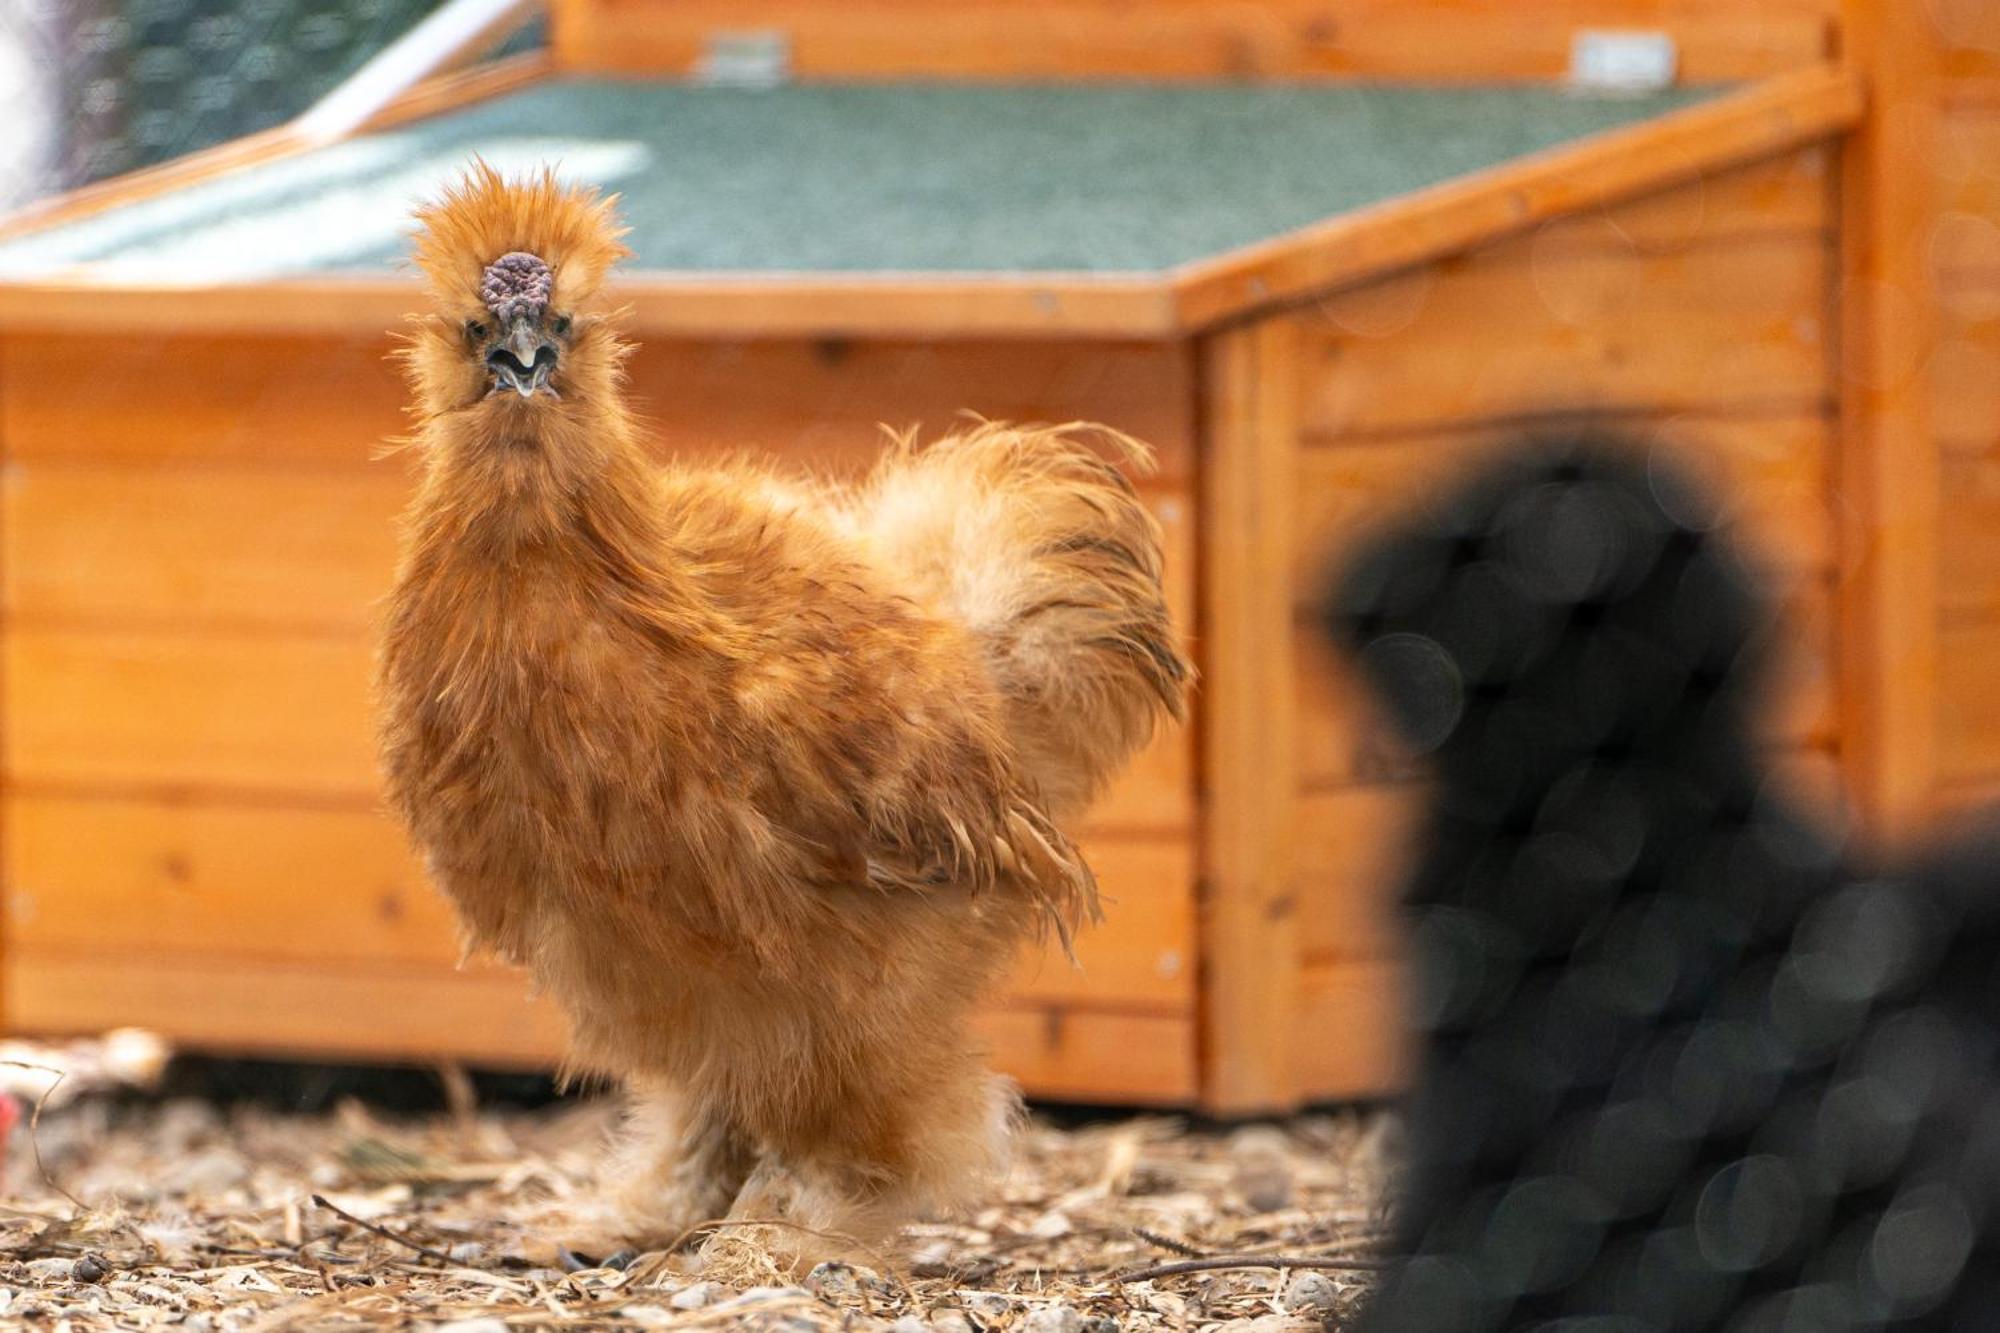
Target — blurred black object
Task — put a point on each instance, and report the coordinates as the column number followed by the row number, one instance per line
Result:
column 1687, row 1063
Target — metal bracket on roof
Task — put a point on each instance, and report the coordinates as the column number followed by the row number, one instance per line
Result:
column 761, row 58
column 1605, row 60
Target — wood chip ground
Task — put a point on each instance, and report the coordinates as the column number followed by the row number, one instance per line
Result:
column 183, row 1215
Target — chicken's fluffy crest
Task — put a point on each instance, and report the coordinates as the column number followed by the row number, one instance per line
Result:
column 484, row 215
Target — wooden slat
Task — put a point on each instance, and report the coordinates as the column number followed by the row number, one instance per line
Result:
column 173, row 545
column 191, row 396
column 824, row 402
column 662, row 304
column 1143, row 954
column 260, row 884
column 1353, row 1037
column 1970, row 33
column 132, row 543
column 1969, row 535
column 1785, row 194
column 1353, row 853
column 240, row 710
column 236, row 883
column 1965, row 368
column 485, row 1018
column 1512, row 331
column 1344, row 741
column 1431, row 40
column 1089, row 1055
column 337, row 399
column 1249, row 952
column 1769, row 472
column 1765, row 120
column 1967, row 703
column 1967, row 240
column 1888, row 596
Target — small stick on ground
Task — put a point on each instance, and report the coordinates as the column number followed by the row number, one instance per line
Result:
column 1225, row 1261
column 1169, row 1244
column 435, row 1256
column 35, row 1125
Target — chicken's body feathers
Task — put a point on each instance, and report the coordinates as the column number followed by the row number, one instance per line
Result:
column 762, row 800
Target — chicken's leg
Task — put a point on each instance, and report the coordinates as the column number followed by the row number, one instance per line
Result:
column 684, row 1163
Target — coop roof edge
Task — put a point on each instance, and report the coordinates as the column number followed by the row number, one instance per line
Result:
column 1341, row 251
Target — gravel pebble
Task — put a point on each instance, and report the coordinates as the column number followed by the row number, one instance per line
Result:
column 1053, row 1319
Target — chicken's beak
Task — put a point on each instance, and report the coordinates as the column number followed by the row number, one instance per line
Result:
column 523, row 359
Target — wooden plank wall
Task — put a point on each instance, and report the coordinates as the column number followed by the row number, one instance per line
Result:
column 1965, row 384
column 195, row 537
column 1473, row 40
column 1700, row 316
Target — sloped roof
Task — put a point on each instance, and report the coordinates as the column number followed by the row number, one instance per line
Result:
column 1086, row 203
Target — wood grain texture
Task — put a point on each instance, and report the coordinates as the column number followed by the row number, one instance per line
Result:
column 1969, row 534
column 740, row 305
column 1343, row 741
column 1249, row 946
column 1890, row 473
column 485, row 1018
column 1766, row 120
column 1425, row 40
column 818, row 403
column 1768, row 474
column 1965, row 245
column 1513, row 331
column 1352, row 1030
column 1965, row 368
column 259, row 883
column 1967, row 704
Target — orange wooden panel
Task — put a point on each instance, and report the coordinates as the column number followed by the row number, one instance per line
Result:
column 485, row 1018
column 1968, row 702
column 1970, row 31
column 1513, row 330
column 1143, row 953
column 322, row 398
column 1353, row 852
column 257, row 884
column 1969, row 534
column 1343, row 740
column 136, row 542
column 819, row 402
column 1789, row 194
column 1350, row 1032
column 1478, row 40
column 285, row 714
column 1093, row 1055
column 238, row 883
column 1248, row 949
column 1769, row 473
column 1889, row 473
column 1967, row 238
column 825, row 402
column 1965, row 366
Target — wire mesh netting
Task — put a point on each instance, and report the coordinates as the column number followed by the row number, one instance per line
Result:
column 92, row 88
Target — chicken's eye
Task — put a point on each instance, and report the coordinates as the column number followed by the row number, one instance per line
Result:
column 562, row 325
column 474, row 330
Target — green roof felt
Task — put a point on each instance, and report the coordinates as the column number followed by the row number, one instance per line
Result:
column 860, row 178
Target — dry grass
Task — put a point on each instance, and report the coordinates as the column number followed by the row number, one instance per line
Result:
column 198, row 1218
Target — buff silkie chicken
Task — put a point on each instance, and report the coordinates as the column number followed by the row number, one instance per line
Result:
column 763, row 780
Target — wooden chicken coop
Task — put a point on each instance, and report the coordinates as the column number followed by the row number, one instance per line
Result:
column 1314, row 250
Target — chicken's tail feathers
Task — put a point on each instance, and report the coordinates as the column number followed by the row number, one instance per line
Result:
column 1035, row 538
